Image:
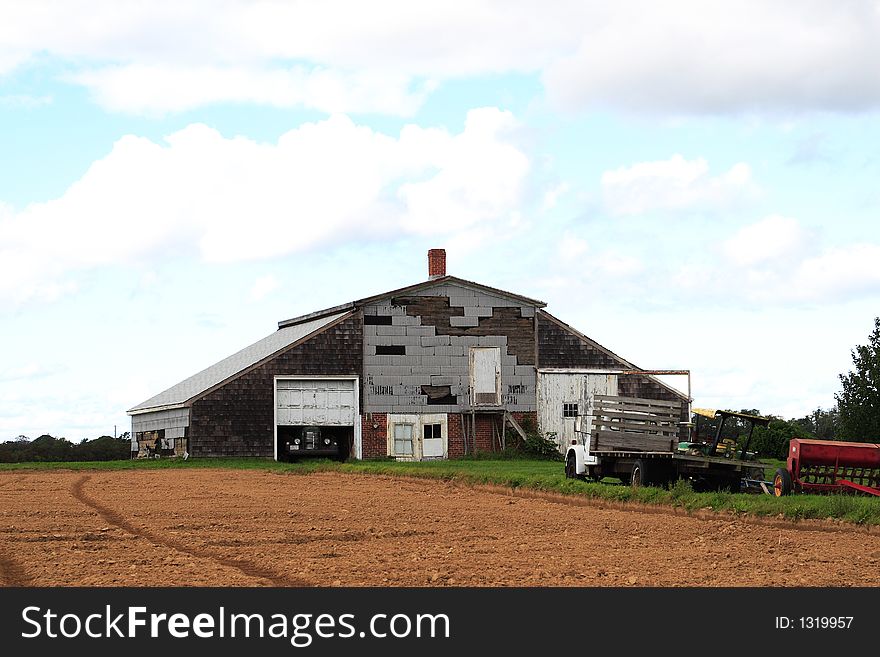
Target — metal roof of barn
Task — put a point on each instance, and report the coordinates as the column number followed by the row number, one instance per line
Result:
column 181, row 394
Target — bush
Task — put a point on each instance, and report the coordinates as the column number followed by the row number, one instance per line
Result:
column 538, row 446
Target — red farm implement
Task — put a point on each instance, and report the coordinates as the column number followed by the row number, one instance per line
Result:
column 825, row 466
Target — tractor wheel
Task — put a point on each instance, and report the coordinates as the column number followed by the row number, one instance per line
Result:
column 638, row 477
column 782, row 482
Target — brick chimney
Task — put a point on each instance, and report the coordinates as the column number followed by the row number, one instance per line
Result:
column 436, row 263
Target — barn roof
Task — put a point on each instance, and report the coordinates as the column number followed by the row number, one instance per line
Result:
column 440, row 280
column 178, row 395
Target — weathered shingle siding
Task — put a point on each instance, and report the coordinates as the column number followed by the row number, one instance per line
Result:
column 558, row 347
column 236, row 419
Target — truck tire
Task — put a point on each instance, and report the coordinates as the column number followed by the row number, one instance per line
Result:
column 344, row 451
column 639, row 475
column 663, row 476
column 782, row 482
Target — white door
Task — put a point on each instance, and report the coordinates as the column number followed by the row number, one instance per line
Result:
column 414, row 437
column 486, row 376
column 323, row 402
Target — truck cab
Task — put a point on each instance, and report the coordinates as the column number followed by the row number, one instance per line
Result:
column 313, row 441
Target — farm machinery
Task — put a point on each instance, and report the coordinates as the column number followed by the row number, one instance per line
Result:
column 824, row 466
column 637, row 441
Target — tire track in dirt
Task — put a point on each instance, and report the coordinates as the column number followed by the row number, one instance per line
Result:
column 11, row 572
column 114, row 518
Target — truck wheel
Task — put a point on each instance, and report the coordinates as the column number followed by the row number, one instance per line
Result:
column 638, row 476
column 344, row 451
column 782, row 482
column 571, row 467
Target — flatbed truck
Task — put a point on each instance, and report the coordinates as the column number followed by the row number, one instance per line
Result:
column 615, row 439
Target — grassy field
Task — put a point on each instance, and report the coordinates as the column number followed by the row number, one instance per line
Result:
column 536, row 475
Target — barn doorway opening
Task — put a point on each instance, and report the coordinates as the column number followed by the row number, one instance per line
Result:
column 316, row 417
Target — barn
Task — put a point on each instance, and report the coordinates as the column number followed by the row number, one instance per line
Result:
column 440, row 369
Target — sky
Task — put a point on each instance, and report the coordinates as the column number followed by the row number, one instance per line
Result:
column 692, row 184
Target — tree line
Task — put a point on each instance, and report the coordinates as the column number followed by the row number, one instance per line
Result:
column 856, row 416
column 49, row 448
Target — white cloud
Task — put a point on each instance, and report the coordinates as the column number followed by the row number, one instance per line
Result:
column 572, row 248
column 263, row 286
column 619, row 264
column 778, row 261
column 674, row 184
column 773, row 238
column 551, row 196
column 158, row 89
column 714, row 56
column 24, row 101
column 686, row 56
column 479, row 175
column 838, row 274
column 30, row 370
column 235, row 199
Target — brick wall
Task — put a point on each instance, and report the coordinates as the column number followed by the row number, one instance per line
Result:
column 454, row 443
column 374, row 440
column 486, row 441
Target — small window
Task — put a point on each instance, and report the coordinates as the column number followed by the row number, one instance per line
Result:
column 403, row 440
column 390, row 350
column 377, row 320
column 570, row 409
column 433, row 431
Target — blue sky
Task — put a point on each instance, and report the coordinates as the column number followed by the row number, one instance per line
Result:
column 692, row 184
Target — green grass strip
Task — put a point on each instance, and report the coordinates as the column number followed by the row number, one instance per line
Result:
column 537, row 475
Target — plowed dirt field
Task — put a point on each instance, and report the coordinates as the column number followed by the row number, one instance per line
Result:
column 255, row 528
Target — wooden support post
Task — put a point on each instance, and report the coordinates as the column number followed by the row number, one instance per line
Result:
column 514, row 424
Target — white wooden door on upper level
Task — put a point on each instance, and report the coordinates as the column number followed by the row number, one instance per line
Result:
column 485, row 375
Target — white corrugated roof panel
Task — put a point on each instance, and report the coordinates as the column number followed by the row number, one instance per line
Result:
column 198, row 383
